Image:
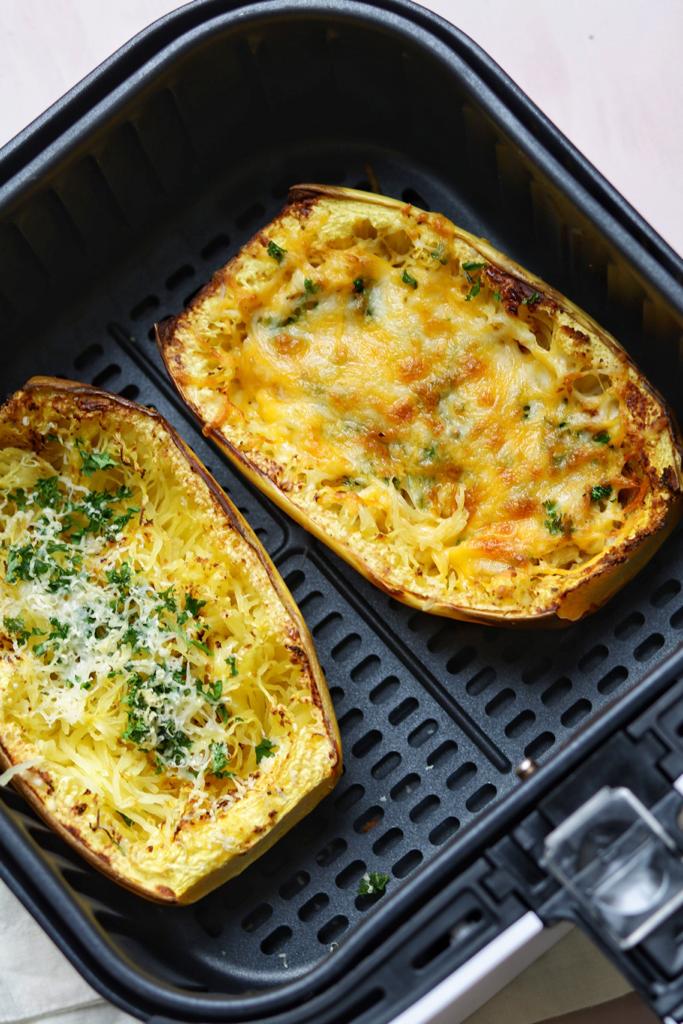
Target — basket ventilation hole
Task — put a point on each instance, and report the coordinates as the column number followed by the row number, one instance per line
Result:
column 630, row 625
column 676, row 619
column 443, row 831
column 331, row 852
column 257, row 917
column 614, row 678
column 392, row 837
column 441, row 638
column 216, row 247
column 350, row 874
column 144, row 307
column 350, row 720
column 130, row 391
column 443, row 753
column 88, row 356
column 294, row 579
column 462, row 775
column 520, row 724
column 653, row 643
column 366, row 743
column 403, row 710
column 180, row 276
column 106, row 375
column 460, row 660
column 573, row 715
column 425, row 808
column 593, row 658
column 556, row 692
column 277, row 940
column 537, row 671
column 408, row 785
column 483, row 679
column 309, row 599
column 294, row 885
column 327, row 624
column 500, row 702
column 386, row 765
column 369, row 819
column 423, row 732
column 481, row 797
column 349, row 797
column 407, row 863
column 385, row 690
column 665, row 593
column 337, row 694
column 335, row 927
column 540, row 745
column 313, row 906
column 345, row 647
column 366, row 668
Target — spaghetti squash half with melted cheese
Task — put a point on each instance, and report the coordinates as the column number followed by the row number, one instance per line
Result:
column 161, row 704
column 461, row 433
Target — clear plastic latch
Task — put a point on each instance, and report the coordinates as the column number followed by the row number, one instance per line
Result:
column 620, row 865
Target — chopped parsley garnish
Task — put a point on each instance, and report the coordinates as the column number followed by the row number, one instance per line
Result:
column 373, row 883
column 473, row 266
column 408, row 278
column 125, row 819
column 276, row 252
column 264, row 749
column 439, row 254
column 601, row 438
column 16, row 627
column 222, row 712
column 47, row 493
column 168, row 601
column 473, row 292
column 601, row 492
column 532, row 299
column 193, row 606
column 310, row 287
column 358, row 285
column 120, row 576
column 231, row 661
column 429, row 454
column 214, row 692
column 93, row 460
column 59, row 631
column 219, row 759
column 201, row 645
column 496, row 296
column 553, row 523
column 18, row 496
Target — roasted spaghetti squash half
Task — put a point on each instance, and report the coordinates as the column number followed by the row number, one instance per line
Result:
column 461, row 433
column 161, row 705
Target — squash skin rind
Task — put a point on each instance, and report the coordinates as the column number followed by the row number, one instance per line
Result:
column 593, row 586
column 113, row 864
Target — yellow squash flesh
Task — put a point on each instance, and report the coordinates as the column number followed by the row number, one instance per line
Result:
column 160, row 696
column 461, row 433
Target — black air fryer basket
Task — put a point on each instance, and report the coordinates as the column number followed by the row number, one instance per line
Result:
column 465, row 746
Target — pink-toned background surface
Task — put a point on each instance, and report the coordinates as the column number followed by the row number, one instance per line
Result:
column 609, row 74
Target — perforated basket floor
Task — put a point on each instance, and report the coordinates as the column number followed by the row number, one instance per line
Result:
column 435, row 715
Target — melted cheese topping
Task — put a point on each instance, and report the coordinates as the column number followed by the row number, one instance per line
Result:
column 468, row 447
column 148, row 662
